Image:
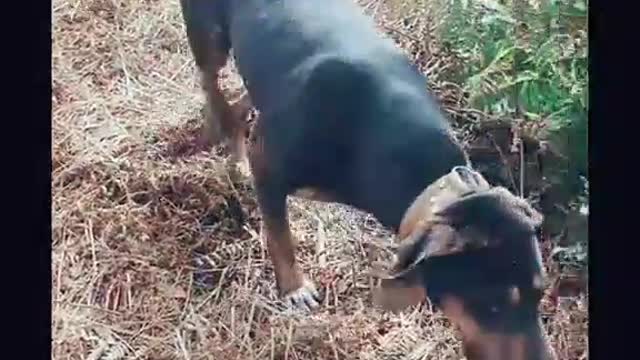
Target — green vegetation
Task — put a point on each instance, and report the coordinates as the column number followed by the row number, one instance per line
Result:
column 527, row 59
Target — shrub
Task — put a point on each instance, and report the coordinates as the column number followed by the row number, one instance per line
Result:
column 527, row 59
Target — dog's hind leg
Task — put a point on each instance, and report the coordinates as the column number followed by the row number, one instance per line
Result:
column 210, row 44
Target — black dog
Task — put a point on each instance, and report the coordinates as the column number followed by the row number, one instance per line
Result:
column 345, row 117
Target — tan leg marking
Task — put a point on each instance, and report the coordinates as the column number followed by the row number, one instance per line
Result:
column 294, row 287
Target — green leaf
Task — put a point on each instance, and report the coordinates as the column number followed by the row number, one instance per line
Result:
column 580, row 5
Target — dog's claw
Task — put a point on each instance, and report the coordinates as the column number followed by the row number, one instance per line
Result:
column 243, row 167
column 306, row 297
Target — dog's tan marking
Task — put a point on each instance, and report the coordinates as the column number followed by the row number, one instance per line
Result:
column 396, row 296
column 281, row 246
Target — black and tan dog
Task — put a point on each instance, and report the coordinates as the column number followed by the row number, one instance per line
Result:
column 344, row 117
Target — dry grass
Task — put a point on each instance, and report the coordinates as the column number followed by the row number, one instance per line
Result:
column 156, row 253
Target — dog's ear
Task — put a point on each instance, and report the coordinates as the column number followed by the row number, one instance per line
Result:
column 475, row 221
column 404, row 285
column 471, row 222
column 431, row 240
column 459, row 182
column 497, row 213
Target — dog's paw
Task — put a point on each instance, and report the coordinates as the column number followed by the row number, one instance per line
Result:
column 306, row 297
column 243, row 167
column 239, row 171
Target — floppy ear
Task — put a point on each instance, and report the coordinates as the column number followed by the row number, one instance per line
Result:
column 404, row 286
column 423, row 233
column 496, row 212
column 474, row 221
column 460, row 181
column 433, row 239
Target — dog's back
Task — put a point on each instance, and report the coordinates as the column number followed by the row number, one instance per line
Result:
column 278, row 42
